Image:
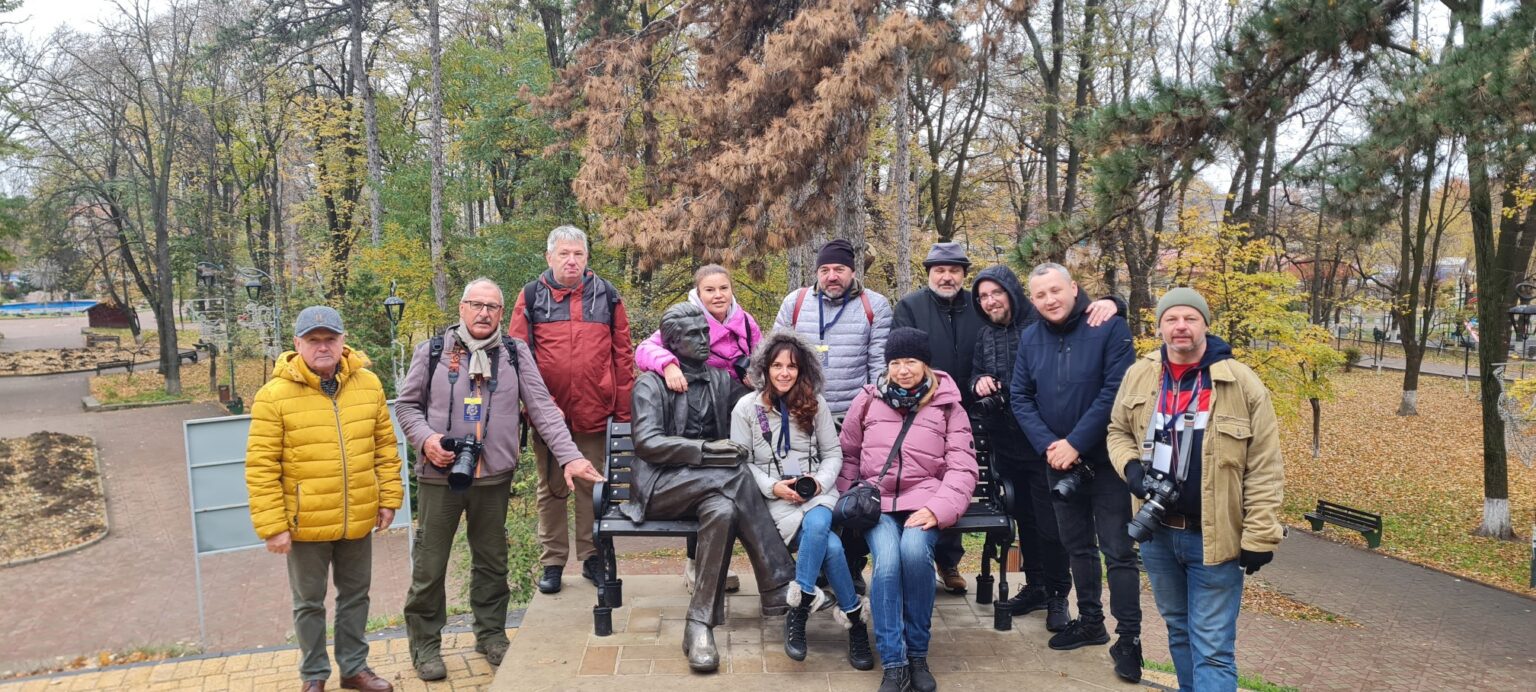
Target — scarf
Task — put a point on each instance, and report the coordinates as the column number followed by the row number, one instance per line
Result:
column 479, row 362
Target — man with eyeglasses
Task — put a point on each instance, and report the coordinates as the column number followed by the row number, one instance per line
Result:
column 577, row 330
column 463, row 390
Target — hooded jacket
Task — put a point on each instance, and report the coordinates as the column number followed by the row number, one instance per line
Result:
column 580, row 337
column 1065, row 378
column 319, row 467
column 936, row 467
column 444, row 413
column 816, row 452
column 728, row 340
column 1241, row 476
column 855, row 343
column 952, row 326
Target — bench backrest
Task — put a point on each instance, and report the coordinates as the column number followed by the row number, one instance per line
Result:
column 1327, row 508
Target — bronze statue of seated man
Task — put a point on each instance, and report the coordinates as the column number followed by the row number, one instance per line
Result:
column 687, row 467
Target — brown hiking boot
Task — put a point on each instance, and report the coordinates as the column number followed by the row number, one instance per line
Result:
column 953, row 582
column 367, row 681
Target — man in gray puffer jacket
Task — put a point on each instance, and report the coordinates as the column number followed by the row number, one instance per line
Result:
column 843, row 321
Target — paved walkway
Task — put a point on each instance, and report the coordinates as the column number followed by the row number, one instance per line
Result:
column 51, row 332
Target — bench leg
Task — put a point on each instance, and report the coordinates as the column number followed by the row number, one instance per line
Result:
column 1372, row 539
column 1317, row 525
column 615, row 585
column 984, row 580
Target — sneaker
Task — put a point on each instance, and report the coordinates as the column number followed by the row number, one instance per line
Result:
column 1080, row 633
column 895, row 680
column 1030, row 599
column 953, row 582
column 550, row 582
column 794, row 623
column 1126, row 654
column 921, row 679
column 592, row 568
column 1056, row 614
column 432, row 669
column 494, row 651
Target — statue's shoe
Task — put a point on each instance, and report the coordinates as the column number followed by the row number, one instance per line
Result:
column 699, row 645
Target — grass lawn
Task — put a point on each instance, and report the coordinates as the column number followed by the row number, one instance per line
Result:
column 1423, row 474
column 149, row 386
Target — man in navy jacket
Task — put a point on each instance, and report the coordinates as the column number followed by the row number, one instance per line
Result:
column 1064, row 383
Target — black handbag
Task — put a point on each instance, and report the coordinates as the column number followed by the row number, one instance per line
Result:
column 858, row 509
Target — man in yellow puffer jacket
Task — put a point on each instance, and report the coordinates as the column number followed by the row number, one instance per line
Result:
column 323, row 474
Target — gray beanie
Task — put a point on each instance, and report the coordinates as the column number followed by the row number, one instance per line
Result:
column 1187, row 297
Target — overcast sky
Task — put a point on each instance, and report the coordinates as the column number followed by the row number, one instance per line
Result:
column 39, row 17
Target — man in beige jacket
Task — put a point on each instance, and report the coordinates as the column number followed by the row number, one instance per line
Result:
column 1194, row 434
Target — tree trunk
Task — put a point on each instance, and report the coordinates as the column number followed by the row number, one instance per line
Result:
column 901, row 179
column 370, row 124
column 1317, row 427
column 439, row 272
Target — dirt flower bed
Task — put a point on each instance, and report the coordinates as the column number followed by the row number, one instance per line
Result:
column 1424, row 474
column 50, row 495
column 52, row 360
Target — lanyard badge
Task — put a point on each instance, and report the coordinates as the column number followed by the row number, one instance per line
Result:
column 472, row 409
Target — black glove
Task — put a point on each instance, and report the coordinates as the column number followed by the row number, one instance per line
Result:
column 1252, row 561
column 1136, row 477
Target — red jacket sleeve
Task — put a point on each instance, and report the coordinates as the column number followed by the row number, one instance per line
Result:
column 517, row 325
column 623, row 363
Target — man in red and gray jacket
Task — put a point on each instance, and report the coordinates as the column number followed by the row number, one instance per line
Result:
column 575, row 324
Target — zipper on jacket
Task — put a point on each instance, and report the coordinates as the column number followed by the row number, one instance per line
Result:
column 341, row 439
column 298, row 502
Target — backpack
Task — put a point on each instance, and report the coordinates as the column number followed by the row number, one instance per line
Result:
column 794, row 319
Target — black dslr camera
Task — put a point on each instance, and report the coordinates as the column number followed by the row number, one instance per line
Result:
column 466, row 452
column 740, row 366
column 804, row 486
column 1065, row 488
column 1161, row 494
column 993, row 404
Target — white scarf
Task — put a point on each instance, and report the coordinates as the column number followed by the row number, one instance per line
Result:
column 479, row 362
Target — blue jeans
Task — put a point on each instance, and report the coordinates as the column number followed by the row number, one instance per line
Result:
column 820, row 549
column 901, row 590
column 1200, row 604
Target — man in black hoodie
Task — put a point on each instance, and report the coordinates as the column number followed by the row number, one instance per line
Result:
column 1063, row 387
column 999, row 299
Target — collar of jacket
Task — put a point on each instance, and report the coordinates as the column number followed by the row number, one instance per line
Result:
column 559, row 290
column 290, row 366
column 1221, row 370
column 854, row 287
column 1074, row 317
column 960, row 302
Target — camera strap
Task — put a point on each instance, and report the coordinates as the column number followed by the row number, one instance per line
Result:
column 1186, row 436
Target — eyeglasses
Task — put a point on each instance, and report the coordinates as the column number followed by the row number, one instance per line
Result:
column 478, row 306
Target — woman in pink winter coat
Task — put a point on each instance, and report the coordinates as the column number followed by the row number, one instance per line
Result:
column 927, row 487
column 732, row 332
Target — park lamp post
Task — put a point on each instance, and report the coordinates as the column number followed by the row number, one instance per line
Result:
column 394, row 309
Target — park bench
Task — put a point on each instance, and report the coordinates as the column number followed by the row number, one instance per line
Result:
column 1369, row 525
column 94, row 340
column 986, row 514
column 189, row 355
column 125, row 363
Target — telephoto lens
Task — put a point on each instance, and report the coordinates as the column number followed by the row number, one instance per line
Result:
column 806, row 487
column 1161, row 494
column 466, row 451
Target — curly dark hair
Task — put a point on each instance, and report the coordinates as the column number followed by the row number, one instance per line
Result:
column 801, row 398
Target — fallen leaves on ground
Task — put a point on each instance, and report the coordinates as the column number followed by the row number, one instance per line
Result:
column 1423, row 473
column 50, row 495
column 146, row 387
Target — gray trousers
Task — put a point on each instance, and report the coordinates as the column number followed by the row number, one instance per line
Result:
column 351, row 565
column 728, row 506
column 438, row 512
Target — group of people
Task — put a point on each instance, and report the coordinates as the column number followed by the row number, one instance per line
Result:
column 772, row 439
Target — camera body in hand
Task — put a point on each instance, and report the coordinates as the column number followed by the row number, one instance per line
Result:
column 804, row 486
column 1072, row 482
column 992, row 405
column 740, row 366
column 466, row 454
column 1161, row 494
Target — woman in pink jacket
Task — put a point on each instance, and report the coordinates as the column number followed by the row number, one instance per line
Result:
column 732, row 332
column 926, row 488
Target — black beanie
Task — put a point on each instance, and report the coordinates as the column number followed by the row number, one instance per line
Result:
column 837, row 251
column 908, row 342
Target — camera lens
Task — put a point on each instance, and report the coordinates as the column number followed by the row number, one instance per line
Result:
column 805, row 486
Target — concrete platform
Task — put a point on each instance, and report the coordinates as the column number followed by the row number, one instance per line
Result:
column 556, row 650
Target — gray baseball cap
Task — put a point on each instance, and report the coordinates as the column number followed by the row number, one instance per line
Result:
column 317, row 317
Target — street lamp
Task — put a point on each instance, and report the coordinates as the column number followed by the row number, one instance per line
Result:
column 394, row 309
column 254, row 289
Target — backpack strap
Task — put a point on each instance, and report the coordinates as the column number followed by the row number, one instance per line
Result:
column 528, row 290
column 794, row 319
column 434, row 356
column 869, row 312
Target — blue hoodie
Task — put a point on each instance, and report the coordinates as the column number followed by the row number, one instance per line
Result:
column 1065, row 379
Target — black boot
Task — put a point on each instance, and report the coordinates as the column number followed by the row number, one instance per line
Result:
column 922, row 678
column 794, row 625
column 1126, row 654
column 896, row 680
column 550, row 581
column 859, row 655
column 1030, row 599
column 1056, row 613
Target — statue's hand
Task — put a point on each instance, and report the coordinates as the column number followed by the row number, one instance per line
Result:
column 723, row 453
